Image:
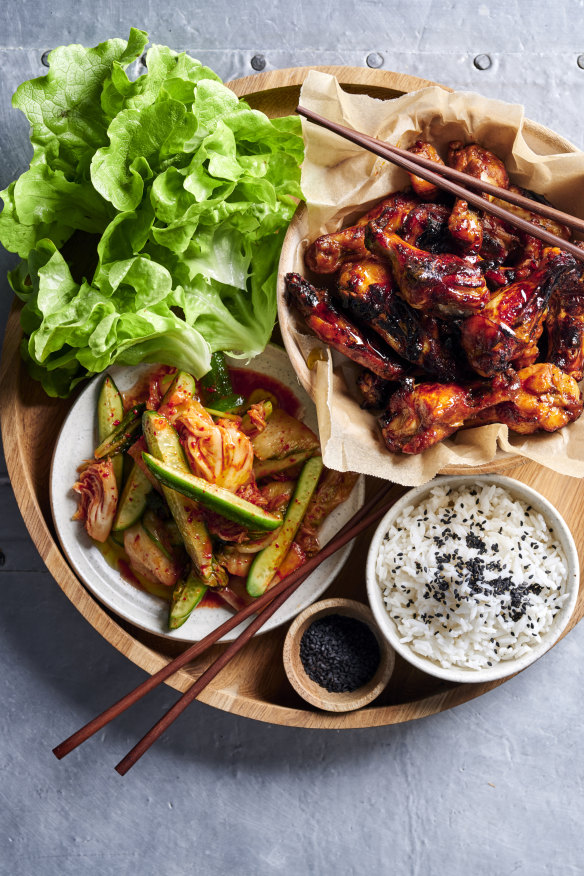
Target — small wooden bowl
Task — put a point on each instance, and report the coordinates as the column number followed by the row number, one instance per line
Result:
column 312, row 692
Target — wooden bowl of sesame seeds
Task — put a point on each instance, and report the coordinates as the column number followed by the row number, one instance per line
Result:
column 336, row 657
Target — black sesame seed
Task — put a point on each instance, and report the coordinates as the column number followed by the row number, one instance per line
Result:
column 339, row 653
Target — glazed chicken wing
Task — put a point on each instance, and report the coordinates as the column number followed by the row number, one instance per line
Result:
column 392, row 209
column 334, row 329
column 529, row 250
column 368, row 291
column 459, row 295
column 565, row 324
column 478, row 162
column 541, row 221
column 512, row 322
column 419, row 416
column 425, row 190
column 426, row 226
column 365, row 287
column 547, row 400
column 499, row 242
column 482, row 164
column 326, row 254
column 465, row 228
column 444, row 285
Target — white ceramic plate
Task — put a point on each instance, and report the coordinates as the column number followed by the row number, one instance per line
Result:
column 77, row 441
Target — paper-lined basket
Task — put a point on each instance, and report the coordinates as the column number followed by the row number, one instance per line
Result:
column 341, row 181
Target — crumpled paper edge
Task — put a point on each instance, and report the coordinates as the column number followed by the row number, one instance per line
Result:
column 340, row 180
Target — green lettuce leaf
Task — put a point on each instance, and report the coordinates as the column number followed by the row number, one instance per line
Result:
column 152, row 215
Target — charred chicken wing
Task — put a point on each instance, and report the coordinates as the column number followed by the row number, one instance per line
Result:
column 375, row 392
column 465, row 228
column 425, row 190
column 500, row 240
column 477, row 162
column 334, row 329
column 529, row 251
column 565, row 324
column 419, row 416
column 426, row 226
column 512, row 321
column 547, row 400
column 444, row 285
column 454, row 292
column 327, row 253
column 369, row 293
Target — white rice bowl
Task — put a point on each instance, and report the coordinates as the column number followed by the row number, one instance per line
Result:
column 472, row 578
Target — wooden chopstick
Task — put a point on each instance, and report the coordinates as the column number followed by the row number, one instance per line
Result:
column 199, row 648
column 449, row 179
column 201, row 683
column 358, row 523
column 479, row 185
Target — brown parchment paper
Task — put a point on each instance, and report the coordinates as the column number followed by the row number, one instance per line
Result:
column 341, row 181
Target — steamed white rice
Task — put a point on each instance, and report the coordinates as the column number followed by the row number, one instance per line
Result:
column 471, row 576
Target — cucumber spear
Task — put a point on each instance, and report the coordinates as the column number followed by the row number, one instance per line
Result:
column 268, row 561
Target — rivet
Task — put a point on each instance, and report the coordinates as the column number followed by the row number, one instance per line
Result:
column 580, row 62
column 258, row 62
column 45, row 58
column 374, row 59
column 482, row 62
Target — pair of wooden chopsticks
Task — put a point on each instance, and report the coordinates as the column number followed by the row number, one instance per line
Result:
column 266, row 605
column 461, row 185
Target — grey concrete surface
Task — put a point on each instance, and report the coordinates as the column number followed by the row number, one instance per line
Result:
column 492, row 787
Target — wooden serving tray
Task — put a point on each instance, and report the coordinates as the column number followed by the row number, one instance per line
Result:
column 254, row 683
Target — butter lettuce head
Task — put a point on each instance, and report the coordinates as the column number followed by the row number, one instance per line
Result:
column 151, row 218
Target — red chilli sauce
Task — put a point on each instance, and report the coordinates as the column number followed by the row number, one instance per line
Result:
column 244, row 381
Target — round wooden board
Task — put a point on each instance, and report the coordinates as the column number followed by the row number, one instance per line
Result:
column 254, row 684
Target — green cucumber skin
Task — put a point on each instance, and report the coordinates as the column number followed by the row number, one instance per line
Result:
column 117, row 538
column 216, row 498
column 123, row 435
column 216, row 388
column 182, row 387
column 110, row 409
column 110, row 412
column 132, row 503
column 193, row 531
column 228, row 405
column 163, row 443
column 267, row 562
column 186, row 595
column 152, row 536
column 267, row 467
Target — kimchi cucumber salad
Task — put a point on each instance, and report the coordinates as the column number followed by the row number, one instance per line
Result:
column 205, row 491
